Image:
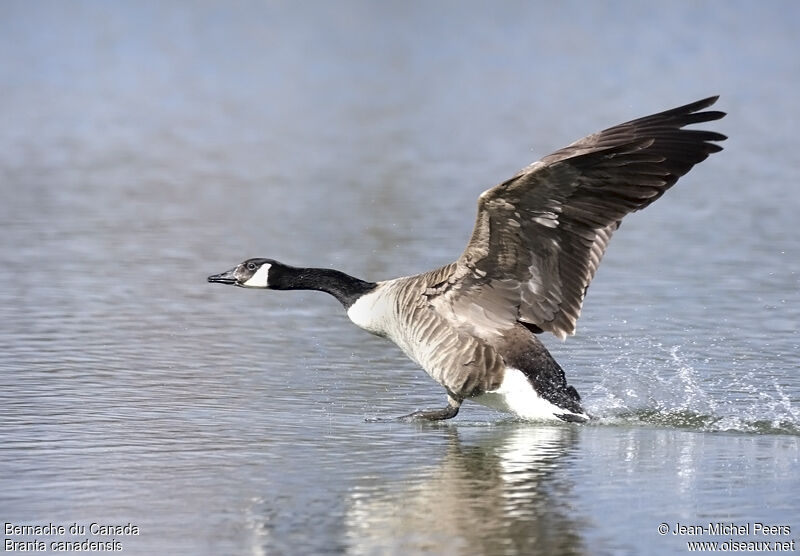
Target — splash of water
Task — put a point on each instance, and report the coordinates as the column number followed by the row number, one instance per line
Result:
column 676, row 387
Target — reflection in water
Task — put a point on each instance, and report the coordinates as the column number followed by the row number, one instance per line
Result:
column 500, row 495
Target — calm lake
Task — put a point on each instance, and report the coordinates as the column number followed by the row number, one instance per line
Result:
column 146, row 145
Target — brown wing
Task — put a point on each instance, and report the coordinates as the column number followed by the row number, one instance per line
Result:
column 539, row 236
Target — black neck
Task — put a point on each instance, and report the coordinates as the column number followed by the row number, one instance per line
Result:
column 343, row 287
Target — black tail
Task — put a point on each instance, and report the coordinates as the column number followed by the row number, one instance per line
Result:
column 546, row 376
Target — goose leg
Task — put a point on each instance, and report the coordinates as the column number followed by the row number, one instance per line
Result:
column 447, row 412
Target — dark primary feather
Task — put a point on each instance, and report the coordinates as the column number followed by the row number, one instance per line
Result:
column 539, row 236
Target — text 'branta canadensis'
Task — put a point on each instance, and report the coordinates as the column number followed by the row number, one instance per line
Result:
column 537, row 243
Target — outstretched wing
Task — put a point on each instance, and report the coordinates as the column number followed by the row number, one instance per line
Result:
column 540, row 235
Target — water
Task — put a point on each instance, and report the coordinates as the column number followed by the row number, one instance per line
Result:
column 147, row 145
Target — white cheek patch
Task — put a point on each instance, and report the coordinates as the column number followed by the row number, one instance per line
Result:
column 260, row 278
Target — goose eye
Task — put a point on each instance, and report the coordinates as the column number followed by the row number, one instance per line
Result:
column 251, row 266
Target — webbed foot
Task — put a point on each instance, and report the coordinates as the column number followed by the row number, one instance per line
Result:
column 447, row 412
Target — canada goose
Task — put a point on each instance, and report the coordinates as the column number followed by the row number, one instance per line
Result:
column 536, row 245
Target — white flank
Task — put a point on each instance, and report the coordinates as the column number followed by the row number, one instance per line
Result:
column 260, row 278
column 517, row 396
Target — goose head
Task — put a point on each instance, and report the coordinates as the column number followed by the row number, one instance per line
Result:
column 252, row 273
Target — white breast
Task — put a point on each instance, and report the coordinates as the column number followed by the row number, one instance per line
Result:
column 422, row 335
column 374, row 312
